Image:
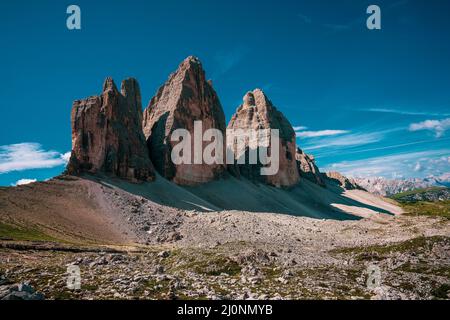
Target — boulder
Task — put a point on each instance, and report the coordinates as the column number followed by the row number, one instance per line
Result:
column 22, row 291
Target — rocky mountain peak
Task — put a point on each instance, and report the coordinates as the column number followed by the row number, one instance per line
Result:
column 109, row 85
column 258, row 112
column 107, row 134
column 186, row 97
column 388, row 187
column 307, row 167
column 249, row 100
column 257, row 98
column 131, row 91
column 192, row 60
column 342, row 181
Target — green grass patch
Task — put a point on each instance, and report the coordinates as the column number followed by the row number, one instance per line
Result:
column 416, row 245
column 424, row 268
column 423, row 208
column 441, row 292
column 271, row 272
column 401, row 195
column 21, row 233
column 204, row 262
column 217, row 266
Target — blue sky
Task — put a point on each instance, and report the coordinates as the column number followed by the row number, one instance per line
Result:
column 364, row 102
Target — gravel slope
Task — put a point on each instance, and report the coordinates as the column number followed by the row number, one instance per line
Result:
column 163, row 252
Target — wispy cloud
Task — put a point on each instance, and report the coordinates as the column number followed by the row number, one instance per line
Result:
column 439, row 127
column 225, row 61
column 304, row 18
column 393, row 146
column 431, row 162
column 347, row 140
column 405, row 112
column 22, row 182
column 418, row 167
column 320, row 133
column 300, row 128
column 29, row 155
column 338, row 27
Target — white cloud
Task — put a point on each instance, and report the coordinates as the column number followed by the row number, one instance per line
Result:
column 22, row 182
column 300, row 128
column 28, row 155
column 338, row 144
column 418, row 167
column 348, row 140
column 342, row 151
column 66, row 156
column 412, row 164
column 304, row 18
column 227, row 60
column 438, row 126
column 320, row 133
column 405, row 112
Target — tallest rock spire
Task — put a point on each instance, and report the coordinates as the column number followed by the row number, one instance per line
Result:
column 186, row 97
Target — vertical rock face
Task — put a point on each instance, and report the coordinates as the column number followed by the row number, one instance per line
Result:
column 307, row 167
column 342, row 181
column 107, row 134
column 258, row 112
column 185, row 97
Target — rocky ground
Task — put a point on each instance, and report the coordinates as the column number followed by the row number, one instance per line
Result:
column 320, row 260
column 138, row 249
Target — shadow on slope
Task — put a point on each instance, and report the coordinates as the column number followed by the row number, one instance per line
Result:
column 306, row 199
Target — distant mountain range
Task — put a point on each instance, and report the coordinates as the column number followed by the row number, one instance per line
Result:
column 388, row 187
column 431, row 194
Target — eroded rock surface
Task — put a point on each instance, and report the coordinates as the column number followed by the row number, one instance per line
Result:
column 257, row 112
column 342, row 181
column 186, row 97
column 307, row 167
column 107, row 134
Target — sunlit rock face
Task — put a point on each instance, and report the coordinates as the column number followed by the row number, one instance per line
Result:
column 342, row 181
column 107, row 134
column 186, row 97
column 258, row 113
column 307, row 168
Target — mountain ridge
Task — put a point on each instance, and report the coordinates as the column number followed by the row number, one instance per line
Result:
column 388, row 187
